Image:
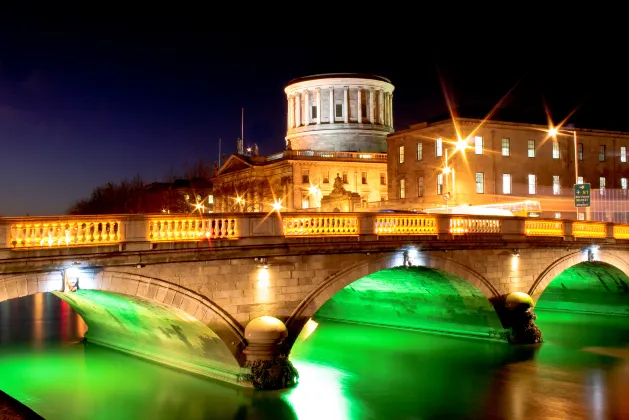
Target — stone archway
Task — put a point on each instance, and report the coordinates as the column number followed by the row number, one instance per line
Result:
column 331, row 286
column 141, row 287
column 570, row 260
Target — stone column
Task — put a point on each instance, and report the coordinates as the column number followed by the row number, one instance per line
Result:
column 291, row 112
column 346, row 104
column 381, row 107
column 372, row 106
column 391, row 110
column 360, row 105
column 306, row 107
column 319, row 110
column 297, row 109
column 331, row 104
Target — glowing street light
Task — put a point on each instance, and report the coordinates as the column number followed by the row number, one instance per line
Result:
column 554, row 132
column 277, row 205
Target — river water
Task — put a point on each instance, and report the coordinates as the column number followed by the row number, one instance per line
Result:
column 347, row 371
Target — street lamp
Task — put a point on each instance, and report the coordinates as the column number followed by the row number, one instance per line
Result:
column 553, row 132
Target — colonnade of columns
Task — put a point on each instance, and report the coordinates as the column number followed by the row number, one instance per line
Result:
column 304, row 111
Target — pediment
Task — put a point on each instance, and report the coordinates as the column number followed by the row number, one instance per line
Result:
column 234, row 164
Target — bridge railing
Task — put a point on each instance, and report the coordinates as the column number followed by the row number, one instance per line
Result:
column 136, row 231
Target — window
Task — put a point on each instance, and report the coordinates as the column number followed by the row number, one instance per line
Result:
column 383, row 178
column 305, row 176
column 439, row 184
column 531, row 149
column 506, row 184
column 339, row 110
column 480, row 183
column 439, row 147
column 506, row 147
column 623, row 183
column 580, row 151
column 420, row 151
column 345, row 178
column 305, row 201
column 401, row 154
column 402, row 188
column 579, row 180
column 601, row 153
column 363, row 107
column 555, row 149
column 478, row 145
column 326, row 177
column 420, row 186
column 601, row 184
column 532, row 184
column 556, row 185
column 364, row 178
column 557, row 215
column 623, row 154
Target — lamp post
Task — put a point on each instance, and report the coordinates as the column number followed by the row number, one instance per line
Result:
column 553, row 132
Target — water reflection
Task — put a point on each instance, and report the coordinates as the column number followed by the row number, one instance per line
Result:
column 347, row 371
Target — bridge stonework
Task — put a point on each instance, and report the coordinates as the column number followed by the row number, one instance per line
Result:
column 267, row 272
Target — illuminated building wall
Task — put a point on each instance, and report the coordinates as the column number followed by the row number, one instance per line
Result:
column 351, row 145
column 415, row 298
column 504, row 154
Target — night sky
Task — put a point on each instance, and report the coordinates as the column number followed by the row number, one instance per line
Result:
column 98, row 104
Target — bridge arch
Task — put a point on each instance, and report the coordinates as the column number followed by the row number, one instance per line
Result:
column 136, row 286
column 570, row 260
column 331, row 286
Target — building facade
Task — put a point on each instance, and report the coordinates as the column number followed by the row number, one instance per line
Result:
column 433, row 165
column 337, row 126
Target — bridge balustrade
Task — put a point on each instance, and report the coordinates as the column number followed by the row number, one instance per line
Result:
column 80, row 231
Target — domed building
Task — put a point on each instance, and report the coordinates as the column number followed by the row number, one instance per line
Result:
column 337, row 126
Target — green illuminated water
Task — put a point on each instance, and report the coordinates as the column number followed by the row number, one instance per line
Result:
column 347, row 370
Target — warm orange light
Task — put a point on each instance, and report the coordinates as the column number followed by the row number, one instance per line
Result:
column 277, row 206
column 553, row 131
column 446, row 170
column 313, row 189
column 461, row 144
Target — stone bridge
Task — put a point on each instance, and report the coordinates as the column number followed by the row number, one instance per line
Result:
column 213, row 295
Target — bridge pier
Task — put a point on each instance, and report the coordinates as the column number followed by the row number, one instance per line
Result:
column 270, row 369
column 516, row 314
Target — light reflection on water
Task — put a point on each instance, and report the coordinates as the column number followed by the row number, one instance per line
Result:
column 347, row 371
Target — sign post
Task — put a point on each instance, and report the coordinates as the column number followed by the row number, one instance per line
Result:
column 582, row 195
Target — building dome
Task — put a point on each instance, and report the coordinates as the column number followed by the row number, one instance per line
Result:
column 344, row 112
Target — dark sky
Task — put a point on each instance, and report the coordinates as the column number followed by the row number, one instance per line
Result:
column 86, row 106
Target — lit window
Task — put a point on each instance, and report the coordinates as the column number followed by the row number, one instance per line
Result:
column 580, row 151
column 383, row 178
column 601, row 153
column 556, row 185
column 420, row 186
column 601, row 184
column 402, row 188
column 579, row 180
column 555, row 149
column 531, row 149
column 480, row 183
column 364, row 178
column 305, row 176
column 420, row 151
column 305, row 201
column 506, row 183
column 210, row 199
column 532, row 184
column 439, row 147
column 557, row 215
column 478, row 145
column 439, row 184
column 506, row 147
column 623, row 154
column 623, row 183
column 345, row 181
column 401, row 154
